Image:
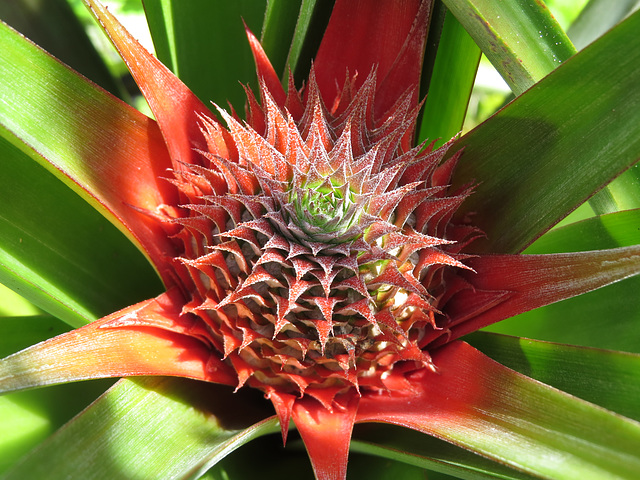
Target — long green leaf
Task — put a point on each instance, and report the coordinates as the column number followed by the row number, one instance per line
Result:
column 451, row 83
column 27, row 418
column 312, row 21
column 83, row 124
column 12, row 304
column 522, row 39
column 552, row 147
column 275, row 461
column 612, row 230
column 596, row 18
column 204, row 48
column 60, row 253
column 280, row 19
column 430, row 453
column 604, row 377
column 147, row 428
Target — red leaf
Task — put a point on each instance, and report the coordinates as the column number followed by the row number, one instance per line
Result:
column 326, row 435
column 143, row 339
column 176, row 108
column 390, row 37
column 534, row 281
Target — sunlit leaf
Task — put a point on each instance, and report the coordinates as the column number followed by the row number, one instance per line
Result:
column 522, row 39
column 147, row 428
column 607, row 378
column 450, row 84
column 563, row 143
column 60, row 253
column 280, row 19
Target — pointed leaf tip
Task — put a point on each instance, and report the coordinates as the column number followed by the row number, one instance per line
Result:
column 265, row 71
column 176, row 108
column 326, row 435
column 533, row 281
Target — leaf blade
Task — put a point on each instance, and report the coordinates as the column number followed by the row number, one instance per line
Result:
column 521, row 39
column 604, row 377
column 492, row 410
column 553, row 160
column 150, row 418
column 60, row 253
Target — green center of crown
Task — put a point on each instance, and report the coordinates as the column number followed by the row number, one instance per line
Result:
column 325, row 212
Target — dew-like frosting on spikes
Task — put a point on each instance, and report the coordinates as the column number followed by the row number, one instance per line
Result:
column 315, row 241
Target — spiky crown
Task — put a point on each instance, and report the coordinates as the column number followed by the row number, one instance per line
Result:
column 314, row 249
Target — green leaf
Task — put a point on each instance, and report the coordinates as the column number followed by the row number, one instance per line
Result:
column 604, row 377
column 596, row 18
column 53, row 26
column 451, row 83
column 12, row 304
column 521, row 39
column 605, row 318
column 23, row 331
column 60, row 253
column 280, row 19
column 612, row 230
column 83, row 124
column 147, row 428
column 430, row 453
column 552, row 147
column 27, row 418
column 312, row 22
column 204, row 48
column 275, row 461
column 380, row 468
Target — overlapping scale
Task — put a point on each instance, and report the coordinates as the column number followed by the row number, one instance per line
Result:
column 314, row 251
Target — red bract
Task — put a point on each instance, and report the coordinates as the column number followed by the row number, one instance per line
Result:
column 313, row 252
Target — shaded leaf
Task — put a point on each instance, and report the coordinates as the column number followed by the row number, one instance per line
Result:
column 596, row 18
column 415, row 448
column 27, row 418
column 451, row 82
column 53, row 26
column 280, row 19
column 204, row 48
